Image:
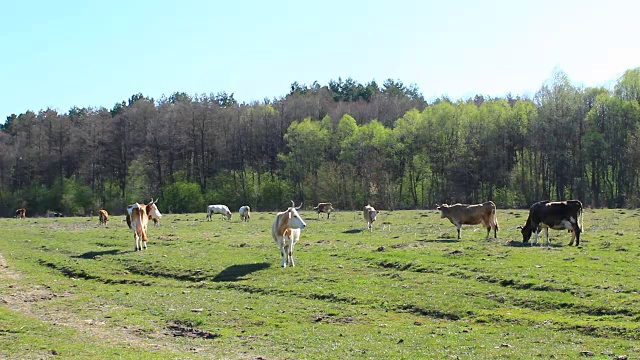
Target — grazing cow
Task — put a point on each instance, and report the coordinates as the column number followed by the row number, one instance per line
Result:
column 245, row 213
column 324, row 208
column 558, row 215
column 21, row 213
column 286, row 232
column 103, row 215
column 464, row 214
column 369, row 214
column 219, row 209
column 152, row 212
column 139, row 220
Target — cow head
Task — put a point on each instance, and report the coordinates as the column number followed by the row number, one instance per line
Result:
column 295, row 221
column 152, row 209
column 526, row 232
column 442, row 209
column 229, row 214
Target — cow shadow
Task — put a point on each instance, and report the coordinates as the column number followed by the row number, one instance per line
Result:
column 238, row 272
column 353, row 231
column 444, row 241
column 515, row 243
column 94, row 254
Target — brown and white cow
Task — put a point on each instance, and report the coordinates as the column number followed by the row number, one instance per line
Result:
column 558, row 215
column 465, row 214
column 103, row 216
column 152, row 212
column 21, row 213
column 369, row 213
column 286, row 232
column 324, row 207
column 137, row 214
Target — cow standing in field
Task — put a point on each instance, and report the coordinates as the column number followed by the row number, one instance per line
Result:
column 558, row 215
column 464, row 214
column 219, row 209
column 137, row 213
column 286, row 232
column 324, row 207
column 21, row 213
column 369, row 213
column 245, row 213
column 103, row 216
column 152, row 212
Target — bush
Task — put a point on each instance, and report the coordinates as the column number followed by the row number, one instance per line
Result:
column 183, row 197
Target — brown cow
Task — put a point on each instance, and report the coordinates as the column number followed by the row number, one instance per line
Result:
column 324, row 207
column 103, row 216
column 139, row 220
column 21, row 213
column 152, row 212
column 369, row 213
column 465, row 214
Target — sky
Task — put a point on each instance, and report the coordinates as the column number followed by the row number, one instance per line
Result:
column 60, row 54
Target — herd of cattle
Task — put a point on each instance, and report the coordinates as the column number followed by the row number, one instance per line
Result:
column 557, row 215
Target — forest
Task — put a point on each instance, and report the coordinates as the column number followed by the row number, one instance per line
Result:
column 344, row 142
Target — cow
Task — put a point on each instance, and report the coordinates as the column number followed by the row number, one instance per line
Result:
column 369, row 214
column 103, row 216
column 219, row 209
column 152, row 212
column 139, row 219
column 245, row 213
column 324, row 207
column 558, row 215
column 286, row 232
column 465, row 214
column 21, row 213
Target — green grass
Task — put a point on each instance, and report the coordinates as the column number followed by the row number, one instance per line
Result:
column 71, row 288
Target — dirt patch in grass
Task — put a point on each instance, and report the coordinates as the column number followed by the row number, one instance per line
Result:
column 176, row 328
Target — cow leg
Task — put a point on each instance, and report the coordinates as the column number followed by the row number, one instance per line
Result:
column 488, row 231
column 459, row 227
column 135, row 238
column 535, row 239
column 546, row 231
column 283, row 261
column 290, row 255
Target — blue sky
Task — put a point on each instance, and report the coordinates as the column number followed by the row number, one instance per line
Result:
column 61, row 54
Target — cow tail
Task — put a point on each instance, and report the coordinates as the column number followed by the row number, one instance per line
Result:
column 140, row 229
column 581, row 219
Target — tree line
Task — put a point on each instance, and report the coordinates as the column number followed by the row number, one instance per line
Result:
column 344, row 142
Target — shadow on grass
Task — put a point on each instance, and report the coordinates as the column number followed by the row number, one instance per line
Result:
column 440, row 241
column 237, row 272
column 514, row 243
column 94, row 254
column 352, row 231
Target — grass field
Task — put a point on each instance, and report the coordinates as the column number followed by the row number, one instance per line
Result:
column 72, row 289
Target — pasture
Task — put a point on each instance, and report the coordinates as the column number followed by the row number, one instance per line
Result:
column 72, row 288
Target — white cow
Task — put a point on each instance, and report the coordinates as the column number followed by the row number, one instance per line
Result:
column 245, row 213
column 286, row 232
column 369, row 214
column 218, row 209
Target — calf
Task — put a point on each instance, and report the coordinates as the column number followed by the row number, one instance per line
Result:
column 369, row 214
column 465, row 214
column 245, row 213
column 218, row 209
column 324, row 208
column 139, row 220
column 558, row 215
column 103, row 216
column 286, row 232
column 21, row 213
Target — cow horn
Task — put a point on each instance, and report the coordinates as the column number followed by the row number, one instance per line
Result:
column 299, row 206
column 519, row 227
column 293, row 205
column 151, row 201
